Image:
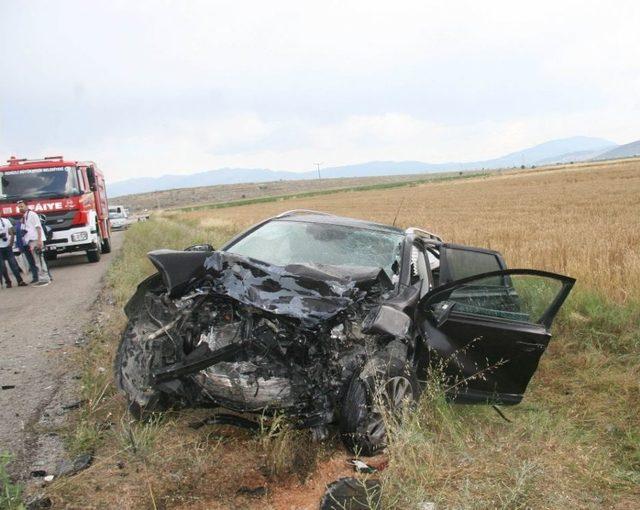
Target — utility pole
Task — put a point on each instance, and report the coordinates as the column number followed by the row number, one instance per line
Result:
column 318, row 167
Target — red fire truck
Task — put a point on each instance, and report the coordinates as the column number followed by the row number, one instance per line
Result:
column 72, row 197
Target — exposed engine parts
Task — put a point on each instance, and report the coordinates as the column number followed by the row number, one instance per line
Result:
column 257, row 351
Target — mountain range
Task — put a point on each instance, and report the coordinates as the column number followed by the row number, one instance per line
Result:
column 577, row 148
column 622, row 151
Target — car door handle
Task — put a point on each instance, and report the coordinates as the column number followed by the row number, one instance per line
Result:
column 530, row 347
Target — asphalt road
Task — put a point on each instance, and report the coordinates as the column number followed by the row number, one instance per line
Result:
column 39, row 327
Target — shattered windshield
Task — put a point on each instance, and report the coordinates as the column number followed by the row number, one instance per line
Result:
column 292, row 242
column 39, row 183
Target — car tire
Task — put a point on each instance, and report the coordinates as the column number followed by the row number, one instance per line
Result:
column 50, row 255
column 106, row 245
column 93, row 255
column 142, row 404
column 361, row 422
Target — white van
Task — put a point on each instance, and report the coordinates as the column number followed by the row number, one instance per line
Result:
column 118, row 217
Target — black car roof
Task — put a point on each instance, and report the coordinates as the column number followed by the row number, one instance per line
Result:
column 330, row 219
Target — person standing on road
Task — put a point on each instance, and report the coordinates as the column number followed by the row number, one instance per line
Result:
column 33, row 240
column 7, row 236
column 18, row 247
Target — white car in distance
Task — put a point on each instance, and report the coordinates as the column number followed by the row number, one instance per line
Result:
column 118, row 217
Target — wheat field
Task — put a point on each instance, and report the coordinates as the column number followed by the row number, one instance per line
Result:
column 582, row 221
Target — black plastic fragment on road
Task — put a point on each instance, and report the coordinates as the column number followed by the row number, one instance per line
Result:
column 352, row 494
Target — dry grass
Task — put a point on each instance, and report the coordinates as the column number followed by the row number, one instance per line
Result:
column 281, row 445
column 573, row 443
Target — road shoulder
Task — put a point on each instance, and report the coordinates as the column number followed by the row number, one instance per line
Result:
column 41, row 333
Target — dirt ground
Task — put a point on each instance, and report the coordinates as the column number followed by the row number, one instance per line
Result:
column 39, row 330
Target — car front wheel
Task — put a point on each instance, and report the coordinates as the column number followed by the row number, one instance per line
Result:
column 132, row 363
column 372, row 399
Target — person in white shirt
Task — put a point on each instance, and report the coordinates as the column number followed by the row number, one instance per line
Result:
column 33, row 239
column 7, row 236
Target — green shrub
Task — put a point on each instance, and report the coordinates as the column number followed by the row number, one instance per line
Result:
column 10, row 493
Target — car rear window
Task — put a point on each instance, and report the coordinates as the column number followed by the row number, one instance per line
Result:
column 465, row 262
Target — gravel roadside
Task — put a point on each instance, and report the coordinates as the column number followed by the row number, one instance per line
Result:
column 39, row 328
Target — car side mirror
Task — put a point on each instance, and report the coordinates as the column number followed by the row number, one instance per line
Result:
column 442, row 313
column 387, row 320
column 91, row 177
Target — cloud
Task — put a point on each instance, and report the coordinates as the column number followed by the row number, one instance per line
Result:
column 257, row 143
column 147, row 87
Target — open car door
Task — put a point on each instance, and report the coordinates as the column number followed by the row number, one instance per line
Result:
column 488, row 331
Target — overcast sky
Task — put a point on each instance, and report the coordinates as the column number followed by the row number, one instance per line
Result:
column 148, row 87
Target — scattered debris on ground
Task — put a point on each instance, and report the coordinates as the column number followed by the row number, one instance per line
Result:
column 352, row 494
column 74, row 405
column 39, row 502
column 69, row 468
column 361, row 467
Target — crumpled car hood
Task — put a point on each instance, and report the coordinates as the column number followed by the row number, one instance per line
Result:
column 310, row 294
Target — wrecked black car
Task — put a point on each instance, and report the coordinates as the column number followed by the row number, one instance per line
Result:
column 328, row 319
